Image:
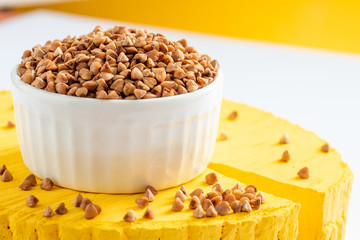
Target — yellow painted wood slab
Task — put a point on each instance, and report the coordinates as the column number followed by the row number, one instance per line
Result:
column 278, row 218
column 253, row 152
column 251, row 155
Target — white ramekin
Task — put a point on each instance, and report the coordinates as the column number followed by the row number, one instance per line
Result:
column 116, row 146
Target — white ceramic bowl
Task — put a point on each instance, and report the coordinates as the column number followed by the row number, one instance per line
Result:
column 116, row 146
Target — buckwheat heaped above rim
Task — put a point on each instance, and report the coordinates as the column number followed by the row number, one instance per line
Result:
column 118, row 63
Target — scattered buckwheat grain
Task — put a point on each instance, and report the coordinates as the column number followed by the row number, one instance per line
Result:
column 284, row 139
column 261, row 195
column 246, row 207
column 236, row 206
column 223, row 136
column 222, row 208
column 77, row 201
column 142, row 202
column 285, row 156
column 180, row 194
column 85, row 202
column 211, row 178
column 31, row 201
column 216, row 200
column 130, row 216
column 25, row 185
column 149, row 213
column 202, row 197
column 48, row 212
column 230, row 198
column 2, row 169
column 178, row 205
column 250, row 188
column 211, row 195
column 47, row 184
column 304, row 173
column 98, row 208
column 325, row 148
column 206, row 204
column 233, row 115
column 237, row 187
column 199, row 212
column 185, row 192
column 32, row 179
column 211, row 212
column 149, row 195
column 6, row 176
column 194, row 203
column 11, row 124
column 255, row 203
column 217, row 187
column 90, row 211
column 61, row 209
column 196, row 192
column 153, row 190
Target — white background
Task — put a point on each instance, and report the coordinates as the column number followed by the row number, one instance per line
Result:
column 320, row 90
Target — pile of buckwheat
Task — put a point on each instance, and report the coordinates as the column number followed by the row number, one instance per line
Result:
column 219, row 201
column 118, row 63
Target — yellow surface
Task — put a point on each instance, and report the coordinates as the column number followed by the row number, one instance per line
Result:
column 277, row 218
column 315, row 23
column 255, row 155
column 251, row 154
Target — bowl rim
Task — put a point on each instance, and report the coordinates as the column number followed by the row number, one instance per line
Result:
column 40, row 93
